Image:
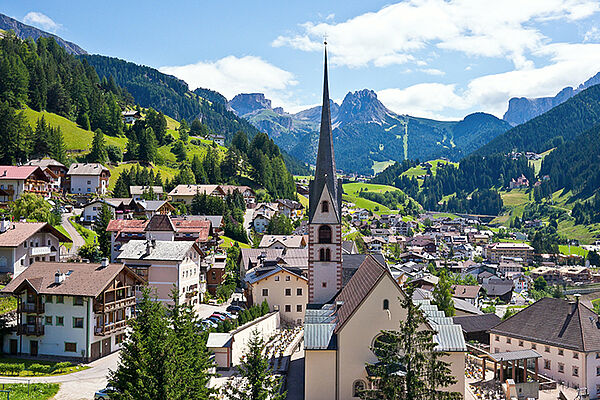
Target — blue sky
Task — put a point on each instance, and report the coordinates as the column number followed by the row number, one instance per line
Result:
column 429, row 58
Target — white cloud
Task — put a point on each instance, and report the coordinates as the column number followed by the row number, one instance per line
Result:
column 592, row 35
column 433, row 71
column 232, row 75
column 396, row 33
column 41, row 21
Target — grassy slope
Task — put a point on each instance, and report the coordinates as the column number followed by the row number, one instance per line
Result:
column 537, row 164
column 228, row 242
column 89, row 235
column 352, row 189
column 115, row 172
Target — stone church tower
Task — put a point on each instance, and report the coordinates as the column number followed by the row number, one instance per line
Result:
column 325, row 215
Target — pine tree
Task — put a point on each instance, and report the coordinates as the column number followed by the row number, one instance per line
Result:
column 143, row 360
column 98, row 153
column 442, row 295
column 198, row 170
column 121, row 189
column 58, row 148
column 212, row 166
column 101, row 226
column 257, row 381
column 41, row 147
column 188, row 358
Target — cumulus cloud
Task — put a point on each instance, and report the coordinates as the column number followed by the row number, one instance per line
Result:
column 395, row 33
column 232, row 75
column 41, row 21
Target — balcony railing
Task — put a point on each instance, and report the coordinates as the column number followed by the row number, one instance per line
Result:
column 115, row 305
column 35, row 308
column 108, row 329
column 40, row 251
column 30, row 329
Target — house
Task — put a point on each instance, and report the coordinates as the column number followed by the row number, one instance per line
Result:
column 185, row 193
column 246, row 191
column 282, row 242
column 509, row 266
column 521, row 282
column 59, row 171
column 262, row 216
column 519, row 182
column 427, row 243
column 470, row 293
column 374, row 244
column 167, row 265
column 551, row 275
column 349, row 247
column 499, row 288
column 16, row 180
column 89, row 178
column 137, row 192
column 293, row 258
column 130, row 116
column 284, row 288
column 565, row 333
column 71, row 310
column 23, row 243
column 290, row 208
column 216, row 272
column 149, row 208
column 495, row 252
column 92, row 209
column 218, row 139
column 476, row 328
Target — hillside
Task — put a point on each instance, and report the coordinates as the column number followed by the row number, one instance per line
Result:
column 367, row 134
column 562, row 123
column 23, row 31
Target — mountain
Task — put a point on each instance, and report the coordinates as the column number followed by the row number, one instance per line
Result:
column 247, row 103
column 23, row 31
column 562, row 123
column 522, row 109
column 366, row 132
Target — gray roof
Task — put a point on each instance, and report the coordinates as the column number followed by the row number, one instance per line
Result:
column 158, row 250
column 86, row 169
column 477, row 323
column 254, row 274
column 319, row 325
column 515, row 355
column 217, row 340
column 151, row 205
column 139, row 190
column 449, row 338
column 463, row 305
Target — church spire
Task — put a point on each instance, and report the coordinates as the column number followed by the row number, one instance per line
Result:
column 325, row 168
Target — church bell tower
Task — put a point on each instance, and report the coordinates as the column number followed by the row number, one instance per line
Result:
column 324, row 215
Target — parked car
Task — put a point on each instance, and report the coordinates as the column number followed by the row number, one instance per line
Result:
column 104, row 394
column 234, row 309
column 221, row 317
column 225, row 314
column 215, row 320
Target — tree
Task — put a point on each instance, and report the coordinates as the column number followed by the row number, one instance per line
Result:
column 141, row 373
column 256, row 381
column 442, row 295
column 98, row 153
column 147, row 147
column 114, row 153
column 594, row 258
column 179, row 150
column 409, row 367
column 90, row 251
column 240, row 142
column 32, row 207
column 540, row 284
column 280, row 225
column 101, row 226
column 121, row 189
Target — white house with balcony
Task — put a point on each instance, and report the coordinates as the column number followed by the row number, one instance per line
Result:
column 71, row 310
column 23, row 243
column 89, row 178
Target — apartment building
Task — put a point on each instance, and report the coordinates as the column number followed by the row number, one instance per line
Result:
column 88, row 178
column 496, row 252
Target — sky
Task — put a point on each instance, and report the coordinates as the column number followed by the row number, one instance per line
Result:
column 438, row 59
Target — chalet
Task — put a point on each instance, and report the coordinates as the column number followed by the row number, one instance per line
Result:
column 90, row 178
column 137, row 192
column 218, row 139
column 495, row 252
column 246, row 191
column 149, row 208
column 499, row 288
column 290, row 208
column 71, row 310
column 185, row 193
column 519, row 182
column 130, row 116
column 59, row 171
column 282, row 242
column 16, row 180
column 470, row 293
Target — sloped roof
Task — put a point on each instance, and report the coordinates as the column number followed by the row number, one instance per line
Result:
column 160, row 223
column 45, row 163
column 555, row 322
column 191, row 190
column 19, row 172
column 254, row 276
column 19, row 232
column 87, row 169
column 154, row 205
column 477, row 323
column 158, row 250
column 139, row 190
column 466, row 291
column 293, row 241
column 127, row 225
column 84, row 280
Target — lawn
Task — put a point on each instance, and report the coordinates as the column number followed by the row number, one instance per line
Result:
column 514, row 197
column 89, row 235
column 566, row 249
column 444, row 215
column 379, row 166
column 64, row 232
column 36, row 391
column 367, row 204
column 303, row 200
column 75, row 137
column 537, row 164
column 27, row 363
column 585, row 234
column 354, row 188
column 228, row 242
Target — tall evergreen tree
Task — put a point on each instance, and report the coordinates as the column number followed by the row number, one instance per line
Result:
column 442, row 295
column 101, row 226
column 98, row 153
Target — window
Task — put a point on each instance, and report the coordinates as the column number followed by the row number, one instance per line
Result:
column 77, row 301
column 299, row 291
column 324, row 234
column 496, row 350
column 277, row 278
column 288, row 292
column 533, row 346
column 357, row 388
column 25, row 245
column 520, row 343
column 60, row 299
column 324, row 255
column 575, row 371
column 48, row 298
column 325, row 206
column 386, row 304
column 508, row 340
column 324, row 284
column 547, row 349
column 287, row 278
column 561, row 352
column 60, row 321
column 576, row 355
column 70, row 347
column 561, row 368
column 497, row 338
column 288, row 308
column 78, row 322
column 48, row 320
column 119, row 338
column 265, row 292
column 597, row 371
column 299, row 308
column 546, row 364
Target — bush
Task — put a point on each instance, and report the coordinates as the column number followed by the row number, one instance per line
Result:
column 61, row 365
column 11, row 369
column 40, row 368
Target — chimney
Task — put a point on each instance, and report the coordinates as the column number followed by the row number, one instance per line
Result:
column 338, row 304
column 104, row 263
column 59, row 277
column 4, row 225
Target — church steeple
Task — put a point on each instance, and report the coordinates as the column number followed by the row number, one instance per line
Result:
column 325, row 167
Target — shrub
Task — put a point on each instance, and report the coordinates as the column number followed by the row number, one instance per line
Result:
column 61, row 365
column 11, row 369
column 115, row 154
column 40, row 368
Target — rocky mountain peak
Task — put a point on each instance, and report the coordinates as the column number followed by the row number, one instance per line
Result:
column 247, row 103
column 362, row 106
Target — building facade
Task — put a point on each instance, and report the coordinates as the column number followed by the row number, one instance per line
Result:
column 87, row 179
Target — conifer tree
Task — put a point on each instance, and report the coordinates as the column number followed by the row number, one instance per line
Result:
column 101, row 226
column 442, row 295
column 98, row 153
column 58, row 149
column 121, row 189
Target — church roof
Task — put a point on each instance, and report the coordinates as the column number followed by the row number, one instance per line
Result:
column 325, row 167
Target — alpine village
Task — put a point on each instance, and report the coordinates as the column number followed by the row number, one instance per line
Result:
column 164, row 243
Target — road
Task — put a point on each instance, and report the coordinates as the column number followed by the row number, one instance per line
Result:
column 248, row 220
column 77, row 239
column 79, row 385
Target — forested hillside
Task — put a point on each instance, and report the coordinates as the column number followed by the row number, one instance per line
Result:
column 562, row 123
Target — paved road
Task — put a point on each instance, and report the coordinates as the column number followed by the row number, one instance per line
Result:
column 79, row 385
column 78, row 240
column 295, row 376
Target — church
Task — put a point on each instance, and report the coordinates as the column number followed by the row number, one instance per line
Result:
column 349, row 307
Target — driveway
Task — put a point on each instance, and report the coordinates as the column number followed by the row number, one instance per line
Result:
column 79, row 385
column 77, row 239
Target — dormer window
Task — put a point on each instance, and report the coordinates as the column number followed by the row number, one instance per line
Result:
column 325, row 206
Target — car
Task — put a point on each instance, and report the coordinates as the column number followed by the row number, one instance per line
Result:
column 221, row 317
column 225, row 314
column 104, row 394
column 234, row 309
column 215, row 320
column 209, row 323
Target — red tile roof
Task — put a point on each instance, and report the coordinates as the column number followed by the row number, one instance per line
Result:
column 126, row 225
column 23, row 172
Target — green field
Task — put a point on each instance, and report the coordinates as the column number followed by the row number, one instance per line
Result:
column 352, row 189
column 565, row 249
column 367, row 204
column 419, row 171
column 537, row 164
column 64, row 232
column 35, row 391
column 76, row 139
column 228, row 242
column 29, row 362
column 379, row 166
column 514, row 197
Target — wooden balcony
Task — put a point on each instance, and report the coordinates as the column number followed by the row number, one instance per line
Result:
column 36, row 329
column 108, row 329
column 32, row 308
column 114, row 305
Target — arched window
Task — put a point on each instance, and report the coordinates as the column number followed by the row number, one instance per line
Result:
column 324, row 234
column 386, row 304
column 325, row 206
column 327, row 255
column 358, row 387
column 324, row 255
